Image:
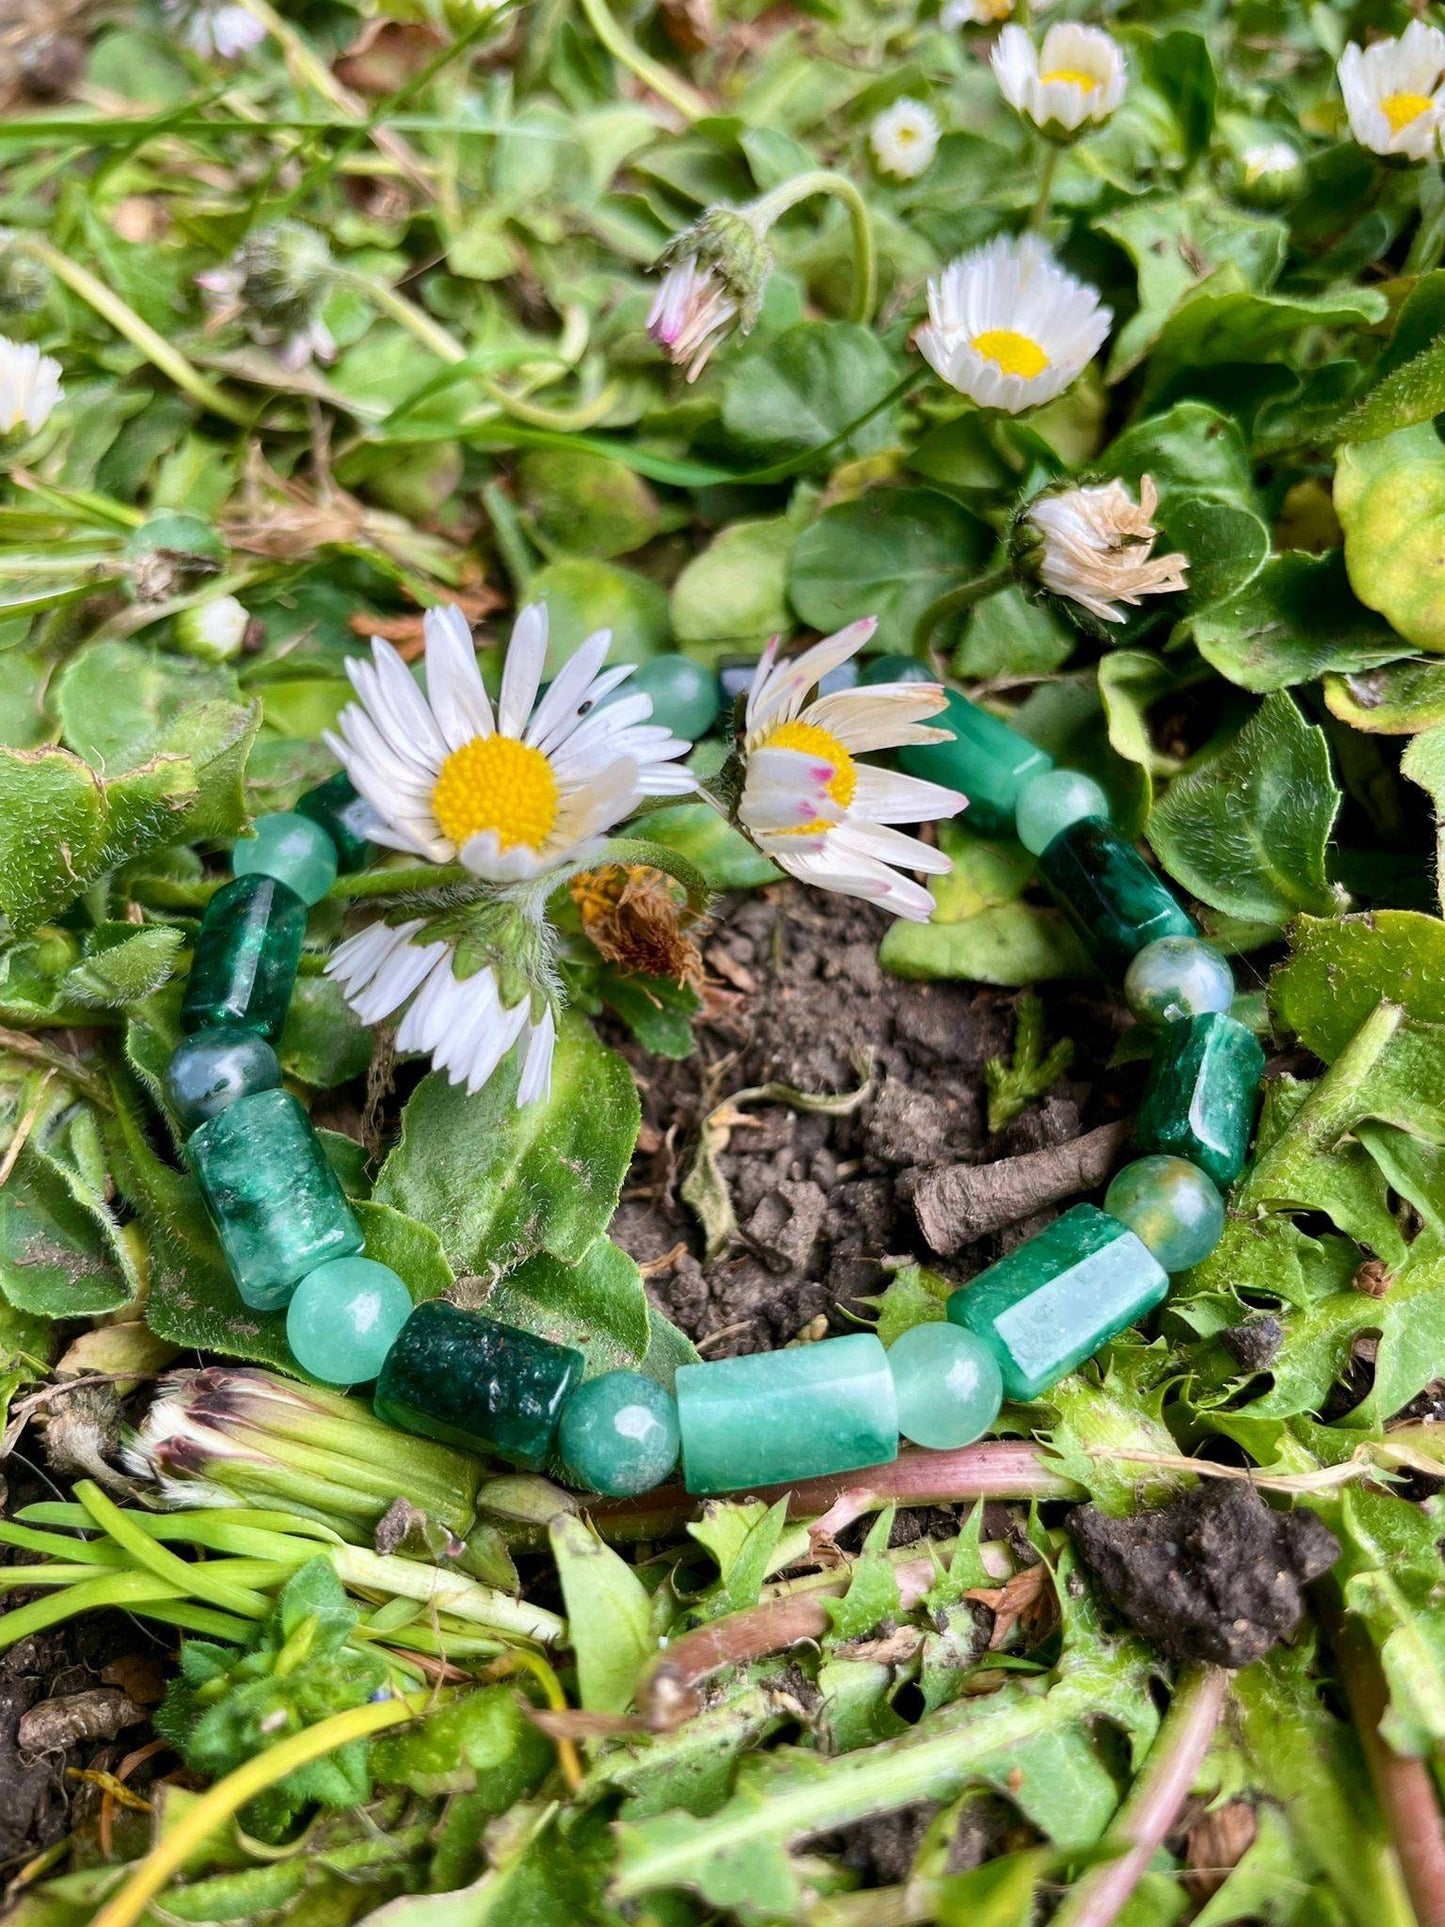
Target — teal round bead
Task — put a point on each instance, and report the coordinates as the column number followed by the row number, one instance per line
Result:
column 1170, row 1206
column 619, row 1434
column 293, row 850
column 684, row 694
column 1177, row 977
column 878, row 669
column 211, row 1070
column 344, row 1318
column 947, row 1382
column 1051, row 802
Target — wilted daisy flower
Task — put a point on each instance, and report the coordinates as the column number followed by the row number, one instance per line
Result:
column 1008, row 327
column 276, row 283
column 811, row 806
column 714, row 276
column 974, row 13
column 1076, row 76
column 904, row 139
column 1393, row 94
column 29, row 386
column 1093, row 546
column 214, row 30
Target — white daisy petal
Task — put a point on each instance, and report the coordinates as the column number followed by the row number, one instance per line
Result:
column 453, row 680
column 1394, row 95
column 522, row 676
column 29, row 386
column 569, row 690
column 535, row 1085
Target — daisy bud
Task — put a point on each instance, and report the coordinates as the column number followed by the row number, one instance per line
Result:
column 904, row 139
column 1074, row 79
column 973, row 13
column 715, row 273
column 213, row 29
column 1393, row 93
column 276, row 283
column 1091, row 546
column 24, row 283
column 1269, row 172
column 29, row 388
column 214, row 630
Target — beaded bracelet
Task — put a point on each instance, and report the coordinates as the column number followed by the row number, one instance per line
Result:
column 839, row 1405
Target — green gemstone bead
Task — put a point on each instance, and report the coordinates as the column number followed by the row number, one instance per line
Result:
column 243, row 969
column 987, row 760
column 948, row 1384
column 619, row 1434
column 879, row 669
column 775, row 1417
column 462, row 1378
column 847, row 675
column 216, row 1067
column 684, row 694
column 1200, row 1097
column 291, row 848
column 346, row 818
column 1178, row 977
column 344, row 1318
column 1051, row 802
column 1170, row 1205
column 1055, row 1300
column 274, row 1199
column 1110, row 895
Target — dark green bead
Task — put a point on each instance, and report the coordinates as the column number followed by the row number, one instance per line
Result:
column 1200, row 1098
column 464, row 1379
column 243, row 969
column 1110, row 895
column 211, row 1070
column 275, row 1201
column 987, row 760
column 346, row 819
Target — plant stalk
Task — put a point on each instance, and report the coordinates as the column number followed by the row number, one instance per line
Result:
column 954, row 603
column 822, row 180
column 678, row 93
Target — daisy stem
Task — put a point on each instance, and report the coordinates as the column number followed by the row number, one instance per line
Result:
column 668, row 86
column 822, row 180
column 431, row 334
column 400, row 882
column 1039, row 213
column 955, row 602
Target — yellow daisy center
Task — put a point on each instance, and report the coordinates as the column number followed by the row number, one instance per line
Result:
column 496, row 783
column 1072, row 76
column 813, row 740
column 1015, row 354
column 1401, row 109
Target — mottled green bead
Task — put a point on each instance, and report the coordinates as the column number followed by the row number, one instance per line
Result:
column 291, row 848
column 346, row 818
column 1178, row 977
column 211, row 1070
column 243, row 969
column 344, row 1318
column 684, row 694
column 986, row 759
column 1200, row 1097
column 775, row 1417
column 619, row 1434
column 1053, row 1301
column 462, row 1378
column 1110, row 895
column 882, row 669
column 275, row 1201
column 1051, row 802
column 1172, row 1206
column 947, row 1383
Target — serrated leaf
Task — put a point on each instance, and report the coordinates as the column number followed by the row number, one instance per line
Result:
column 1340, row 967
column 61, row 1250
column 123, row 964
column 872, row 1593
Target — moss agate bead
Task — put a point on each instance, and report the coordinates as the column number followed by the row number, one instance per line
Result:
column 1171, row 1205
column 1178, row 977
column 1051, row 802
column 986, row 759
column 214, row 1068
column 344, row 1318
column 346, row 818
column 293, row 850
column 243, row 969
column 684, row 694
column 1199, row 1100
column 947, row 1383
column 619, row 1434
column 1110, row 895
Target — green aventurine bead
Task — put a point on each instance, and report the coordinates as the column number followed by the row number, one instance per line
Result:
column 243, row 969
column 619, row 1434
column 346, row 818
column 684, row 694
column 775, row 1417
column 291, row 848
column 275, row 1201
column 1110, row 895
column 1171, row 1205
column 1200, row 1097
column 1178, row 977
column 987, row 760
column 211, row 1070
column 947, row 1382
column 456, row 1376
column 1056, row 1299
column 344, row 1318
column 1051, row 802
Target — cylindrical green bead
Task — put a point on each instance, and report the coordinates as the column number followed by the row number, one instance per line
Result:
column 344, row 1318
column 1172, row 1206
column 345, row 816
column 774, row 1417
column 986, row 759
column 619, row 1434
column 214, row 1068
column 884, row 669
column 684, row 694
column 275, row 1201
column 243, row 969
column 1110, row 895
column 1051, row 802
column 947, row 1383
column 1178, row 977
column 1199, row 1101
column 291, row 848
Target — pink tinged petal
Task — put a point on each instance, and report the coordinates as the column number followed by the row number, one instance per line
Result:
column 760, row 688
column 888, row 796
column 522, row 674
column 889, row 846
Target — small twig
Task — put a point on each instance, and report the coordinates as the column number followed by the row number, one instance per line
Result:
column 958, row 1203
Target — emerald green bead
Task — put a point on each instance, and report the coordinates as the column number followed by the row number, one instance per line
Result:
column 1110, row 895
column 1053, row 1301
column 881, row 669
column 243, row 969
column 684, row 694
column 1200, row 1097
column 344, row 1318
column 987, row 760
column 462, row 1378
column 775, row 1417
column 274, row 1199
column 619, row 1434
column 947, row 1382
column 1051, row 802
column 291, row 848
column 1178, row 977
column 1172, row 1206
column 214, row 1068
column 346, row 818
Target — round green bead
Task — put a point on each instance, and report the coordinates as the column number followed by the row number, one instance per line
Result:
column 1051, row 802
column 1177, row 977
column 880, row 669
column 344, row 1318
column 211, row 1070
column 684, row 694
column 948, row 1384
column 1169, row 1205
column 293, row 850
column 619, row 1434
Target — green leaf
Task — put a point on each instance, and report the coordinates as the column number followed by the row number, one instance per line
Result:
column 913, row 1296
column 123, row 963
column 1424, row 763
column 1391, row 1580
column 585, row 504
column 1397, row 699
column 888, row 553
column 733, row 595
column 872, row 1593
column 62, row 1253
column 323, row 1042
column 483, row 1738
column 583, row 595
column 413, row 1250
column 1411, row 393
column 1390, row 498
column 1340, row 968
column 1294, row 620
column 749, row 1541
column 802, row 391
column 115, row 698
column 609, row 1615
column 597, row 1305
column 1223, row 322
column 724, row 856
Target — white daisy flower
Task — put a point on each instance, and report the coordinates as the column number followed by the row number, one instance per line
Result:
column 29, row 386
column 511, row 793
column 214, row 31
column 1096, row 547
column 1010, row 328
column 1075, row 77
column 811, row 806
column 904, row 139
column 973, row 13
column 1393, row 94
